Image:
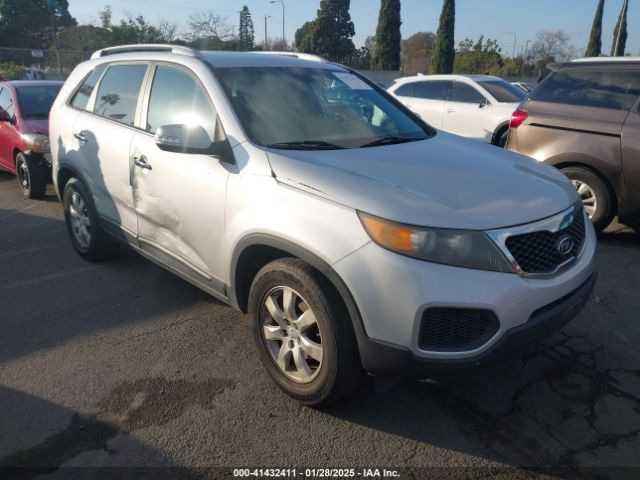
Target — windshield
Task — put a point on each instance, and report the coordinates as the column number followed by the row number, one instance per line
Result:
column 314, row 108
column 35, row 102
column 503, row 91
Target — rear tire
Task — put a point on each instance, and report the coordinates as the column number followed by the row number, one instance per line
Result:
column 596, row 197
column 32, row 176
column 81, row 218
column 314, row 361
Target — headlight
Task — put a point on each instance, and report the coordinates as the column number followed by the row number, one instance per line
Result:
column 36, row 142
column 460, row 248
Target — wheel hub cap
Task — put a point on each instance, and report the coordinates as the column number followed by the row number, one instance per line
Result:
column 79, row 220
column 291, row 334
column 587, row 196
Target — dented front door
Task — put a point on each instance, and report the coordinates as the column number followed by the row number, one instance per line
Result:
column 180, row 202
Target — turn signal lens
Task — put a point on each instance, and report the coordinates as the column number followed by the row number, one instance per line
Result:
column 390, row 235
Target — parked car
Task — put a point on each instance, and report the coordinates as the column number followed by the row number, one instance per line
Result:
column 525, row 87
column 474, row 106
column 584, row 120
column 24, row 132
column 355, row 236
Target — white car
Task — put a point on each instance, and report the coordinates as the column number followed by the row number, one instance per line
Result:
column 474, row 106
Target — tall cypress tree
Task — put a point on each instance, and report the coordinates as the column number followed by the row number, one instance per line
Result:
column 247, row 32
column 595, row 40
column 620, row 42
column 386, row 54
column 329, row 35
column 444, row 50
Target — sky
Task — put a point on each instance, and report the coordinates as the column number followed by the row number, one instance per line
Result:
column 492, row 18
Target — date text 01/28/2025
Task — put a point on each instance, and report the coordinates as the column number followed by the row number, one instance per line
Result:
column 315, row 473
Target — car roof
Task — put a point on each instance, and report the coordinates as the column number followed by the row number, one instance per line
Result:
column 34, row 83
column 606, row 60
column 477, row 78
column 218, row 59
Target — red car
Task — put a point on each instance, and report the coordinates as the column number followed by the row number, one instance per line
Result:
column 24, row 132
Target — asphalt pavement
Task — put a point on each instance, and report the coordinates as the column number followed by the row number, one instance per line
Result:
column 122, row 364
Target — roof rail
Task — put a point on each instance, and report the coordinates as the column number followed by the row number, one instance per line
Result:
column 150, row 47
column 301, row 56
column 606, row 59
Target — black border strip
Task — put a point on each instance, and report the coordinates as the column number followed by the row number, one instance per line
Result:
column 577, row 130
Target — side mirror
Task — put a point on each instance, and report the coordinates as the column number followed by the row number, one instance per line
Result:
column 182, row 138
column 4, row 116
column 483, row 103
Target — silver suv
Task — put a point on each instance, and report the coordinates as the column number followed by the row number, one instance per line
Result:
column 356, row 237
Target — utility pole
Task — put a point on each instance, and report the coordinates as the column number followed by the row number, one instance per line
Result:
column 515, row 40
column 284, row 40
column 266, row 37
column 54, row 30
column 525, row 60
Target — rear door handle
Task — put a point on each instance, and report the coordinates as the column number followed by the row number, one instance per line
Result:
column 80, row 136
column 141, row 162
column 450, row 110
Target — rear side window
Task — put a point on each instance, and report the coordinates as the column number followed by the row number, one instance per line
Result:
column 617, row 90
column 463, row 93
column 118, row 93
column 176, row 98
column 435, row 90
column 81, row 98
column 6, row 102
column 406, row 90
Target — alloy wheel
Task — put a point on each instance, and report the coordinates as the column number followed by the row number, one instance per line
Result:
column 23, row 175
column 587, row 196
column 291, row 334
column 80, row 221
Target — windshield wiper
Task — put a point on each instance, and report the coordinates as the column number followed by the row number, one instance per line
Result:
column 391, row 140
column 306, row 145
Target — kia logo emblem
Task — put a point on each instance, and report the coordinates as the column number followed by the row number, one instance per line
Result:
column 564, row 245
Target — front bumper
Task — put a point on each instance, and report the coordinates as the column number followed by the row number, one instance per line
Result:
column 382, row 358
column 392, row 292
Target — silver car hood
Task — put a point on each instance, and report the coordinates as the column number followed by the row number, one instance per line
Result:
column 446, row 181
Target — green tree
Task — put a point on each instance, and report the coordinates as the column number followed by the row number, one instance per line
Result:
column 483, row 57
column 302, row 35
column 247, row 32
column 134, row 30
column 620, row 41
column 386, row 54
column 28, row 23
column 595, row 40
column 331, row 32
column 443, row 58
column 417, row 51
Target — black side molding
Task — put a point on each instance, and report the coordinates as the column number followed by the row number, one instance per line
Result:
column 577, row 130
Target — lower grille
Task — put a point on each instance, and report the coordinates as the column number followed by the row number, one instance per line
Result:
column 456, row 329
column 541, row 252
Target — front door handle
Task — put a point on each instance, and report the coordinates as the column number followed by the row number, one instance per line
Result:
column 80, row 136
column 141, row 162
column 450, row 110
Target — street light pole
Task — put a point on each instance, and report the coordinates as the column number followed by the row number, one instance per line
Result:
column 266, row 38
column 515, row 40
column 284, row 40
column 55, row 36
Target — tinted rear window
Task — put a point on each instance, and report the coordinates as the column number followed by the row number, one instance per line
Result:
column 503, row 91
column 598, row 88
column 434, row 90
column 118, row 93
column 406, row 90
column 81, row 98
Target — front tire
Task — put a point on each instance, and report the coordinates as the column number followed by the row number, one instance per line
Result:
column 81, row 218
column 303, row 333
column 32, row 176
column 596, row 197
